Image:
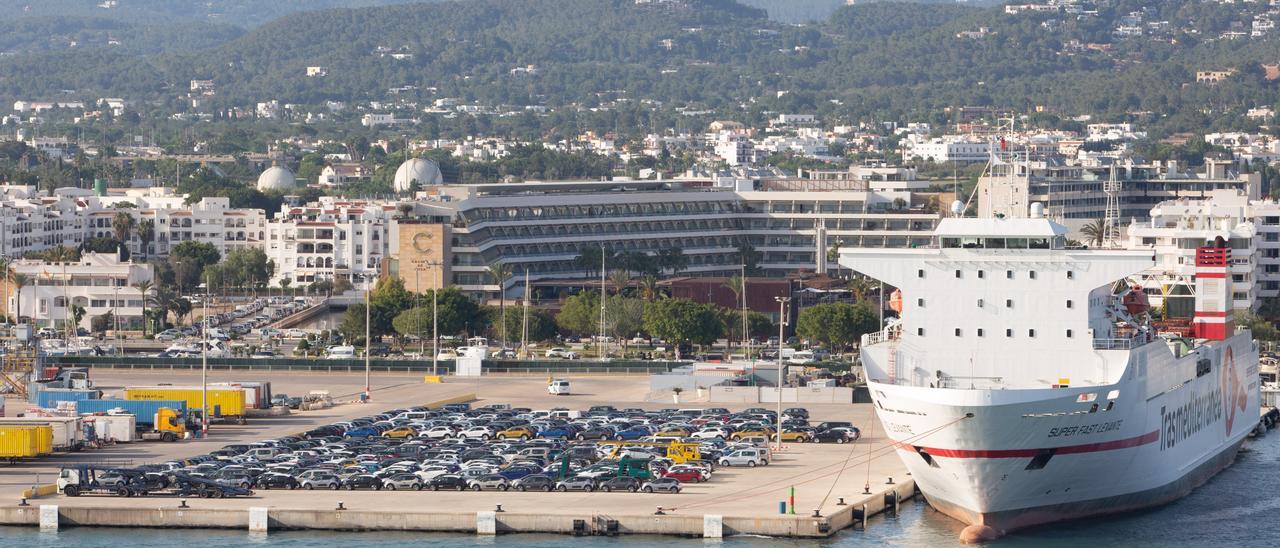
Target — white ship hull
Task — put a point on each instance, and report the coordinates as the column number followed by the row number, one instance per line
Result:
column 1009, row 459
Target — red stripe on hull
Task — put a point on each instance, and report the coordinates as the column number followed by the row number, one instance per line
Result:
column 1136, row 441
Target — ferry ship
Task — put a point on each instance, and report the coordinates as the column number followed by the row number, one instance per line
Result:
column 1026, row 382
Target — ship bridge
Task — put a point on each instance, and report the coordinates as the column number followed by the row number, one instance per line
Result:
column 1001, row 303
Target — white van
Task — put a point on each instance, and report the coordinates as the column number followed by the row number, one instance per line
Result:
column 802, row 357
column 559, row 387
column 342, row 353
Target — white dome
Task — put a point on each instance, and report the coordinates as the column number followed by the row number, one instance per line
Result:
column 276, row 178
column 417, row 170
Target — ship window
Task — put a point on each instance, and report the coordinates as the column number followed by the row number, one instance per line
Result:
column 957, row 331
column 1069, row 303
column 1008, row 303
column 1070, row 275
column 1110, row 405
column 920, row 331
column 957, row 273
column 980, row 332
column 1203, row 367
column 1031, row 274
column 920, row 303
column 1008, row 274
column 1008, row 332
column 982, row 274
column 1068, row 333
column 980, row 301
column 1031, row 333
column 920, row 273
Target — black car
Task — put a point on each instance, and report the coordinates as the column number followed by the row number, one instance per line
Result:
column 831, row 435
column 623, row 483
column 273, row 480
column 535, row 482
column 595, row 433
column 447, row 481
column 362, row 481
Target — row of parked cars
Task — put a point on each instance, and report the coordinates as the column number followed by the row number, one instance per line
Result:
column 244, row 319
column 502, row 448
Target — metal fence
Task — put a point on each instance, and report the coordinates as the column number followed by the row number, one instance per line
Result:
column 392, row 366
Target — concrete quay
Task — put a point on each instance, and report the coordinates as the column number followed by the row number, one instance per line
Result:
column 737, row 501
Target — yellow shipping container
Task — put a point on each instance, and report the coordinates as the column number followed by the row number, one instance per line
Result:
column 24, row 441
column 229, row 403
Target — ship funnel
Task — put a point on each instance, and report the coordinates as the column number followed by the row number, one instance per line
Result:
column 1037, row 210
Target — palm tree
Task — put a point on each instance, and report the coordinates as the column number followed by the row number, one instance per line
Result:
column 1095, row 231
column 19, row 281
column 122, row 225
column 620, row 280
column 500, row 274
column 589, row 259
column 737, row 285
column 144, row 287
column 649, row 289
column 146, row 235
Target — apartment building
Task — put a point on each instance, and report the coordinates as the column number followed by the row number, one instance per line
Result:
column 100, row 283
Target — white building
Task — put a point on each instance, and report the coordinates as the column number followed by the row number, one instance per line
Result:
column 329, row 240
column 99, row 283
column 949, row 149
column 735, row 150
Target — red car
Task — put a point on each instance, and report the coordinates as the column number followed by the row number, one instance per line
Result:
column 685, row 476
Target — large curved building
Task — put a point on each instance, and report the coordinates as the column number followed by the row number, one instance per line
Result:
column 276, row 178
column 419, row 171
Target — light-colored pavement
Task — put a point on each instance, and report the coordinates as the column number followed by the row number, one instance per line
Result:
column 819, row 473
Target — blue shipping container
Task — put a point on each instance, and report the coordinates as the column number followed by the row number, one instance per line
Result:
column 143, row 410
column 49, row 397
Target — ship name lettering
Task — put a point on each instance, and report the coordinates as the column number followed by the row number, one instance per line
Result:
column 1186, row 420
column 1097, row 428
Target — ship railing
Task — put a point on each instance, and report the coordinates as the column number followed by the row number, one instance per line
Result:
column 891, row 333
column 1121, row 343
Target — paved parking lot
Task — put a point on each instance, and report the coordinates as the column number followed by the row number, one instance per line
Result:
column 817, row 471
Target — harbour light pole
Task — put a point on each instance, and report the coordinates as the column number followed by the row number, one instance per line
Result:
column 782, row 324
column 204, row 367
column 367, row 283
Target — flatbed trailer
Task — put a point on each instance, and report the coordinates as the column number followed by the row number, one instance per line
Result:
column 85, row 480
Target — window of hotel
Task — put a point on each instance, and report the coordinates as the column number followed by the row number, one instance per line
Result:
column 1068, row 333
column 1069, row 303
column 1008, row 303
column 1031, row 274
column 1008, row 332
column 1008, row 274
column 920, row 331
column 980, row 303
column 957, row 273
column 1070, row 275
column 920, row 303
column 1031, row 333
column 982, row 274
column 957, row 331
column 920, row 273
column 980, row 332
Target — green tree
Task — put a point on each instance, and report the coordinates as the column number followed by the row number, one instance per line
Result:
column 122, row 225
column 188, row 259
column 77, row 314
column 649, row 289
column 837, row 325
column 146, row 235
column 1095, row 232
column 619, row 279
column 542, row 326
column 580, row 313
column 101, row 323
column 624, row 316
column 682, row 320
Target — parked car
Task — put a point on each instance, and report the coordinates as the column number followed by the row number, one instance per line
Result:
column 621, row 483
column 402, row 481
column 833, row 435
column 684, row 475
column 272, row 480
column 662, row 485
column 745, row 457
column 447, row 481
column 535, row 483
column 490, row 482
column 362, row 481
column 319, row 479
column 576, row 484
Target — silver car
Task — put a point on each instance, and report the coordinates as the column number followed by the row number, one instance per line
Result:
column 576, row 484
column 489, row 482
column 402, row 481
column 314, row 479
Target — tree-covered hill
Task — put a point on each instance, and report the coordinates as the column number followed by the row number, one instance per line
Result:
column 880, row 60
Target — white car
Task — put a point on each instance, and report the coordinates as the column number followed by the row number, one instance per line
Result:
column 711, row 434
column 295, row 333
column 477, row 433
column 562, row 353
column 437, row 433
column 746, row 457
column 430, row 473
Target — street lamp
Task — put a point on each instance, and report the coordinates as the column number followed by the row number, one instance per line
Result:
column 115, row 318
column 367, row 284
column 782, row 324
column 204, row 366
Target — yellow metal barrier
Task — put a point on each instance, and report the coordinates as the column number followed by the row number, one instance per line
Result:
column 41, row 491
column 433, row 379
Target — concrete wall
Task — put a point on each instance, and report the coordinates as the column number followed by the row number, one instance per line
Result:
column 735, row 394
